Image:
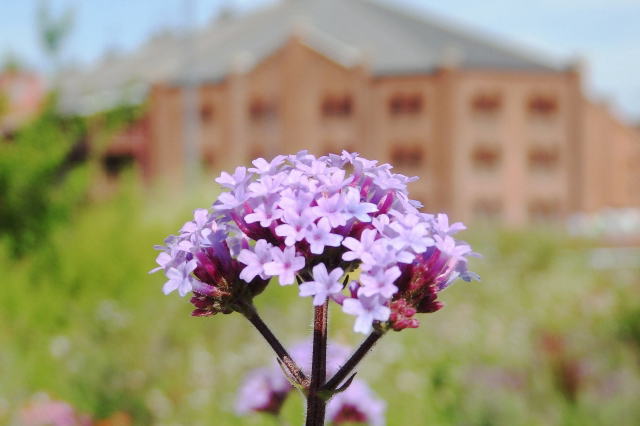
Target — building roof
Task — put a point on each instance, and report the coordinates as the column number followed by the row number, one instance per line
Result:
column 393, row 41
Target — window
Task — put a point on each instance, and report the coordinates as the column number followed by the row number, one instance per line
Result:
column 542, row 159
column 485, row 157
column 262, row 109
column 407, row 156
column 487, row 209
column 486, row 104
column 405, row 104
column 208, row 159
column 206, row 113
column 337, row 106
column 543, row 210
column 541, row 106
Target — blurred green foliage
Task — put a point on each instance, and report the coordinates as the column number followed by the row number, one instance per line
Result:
column 629, row 327
column 46, row 168
column 4, row 103
column 543, row 339
column 42, row 178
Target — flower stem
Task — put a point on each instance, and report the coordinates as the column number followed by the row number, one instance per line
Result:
column 352, row 362
column 295, row 372
column 315, row 403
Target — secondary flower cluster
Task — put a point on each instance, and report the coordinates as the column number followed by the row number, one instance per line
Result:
column 43, row 410
column 264, row 390
column 314, row 221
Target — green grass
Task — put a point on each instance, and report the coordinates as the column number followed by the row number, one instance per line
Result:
column 543, row 339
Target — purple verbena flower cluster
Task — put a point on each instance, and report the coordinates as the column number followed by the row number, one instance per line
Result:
column 357, row 404
column 264, row 390
column 314, row 221
column 44, row 411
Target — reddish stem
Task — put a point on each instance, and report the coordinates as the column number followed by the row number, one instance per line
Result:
column 315, row 403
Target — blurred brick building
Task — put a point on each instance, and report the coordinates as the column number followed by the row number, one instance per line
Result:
column 493, row 131
column 21, row 96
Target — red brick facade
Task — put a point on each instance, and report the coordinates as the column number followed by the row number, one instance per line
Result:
column 514, row 146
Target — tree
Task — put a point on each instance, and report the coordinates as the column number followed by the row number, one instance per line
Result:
column 43, row 176
column 53, row 31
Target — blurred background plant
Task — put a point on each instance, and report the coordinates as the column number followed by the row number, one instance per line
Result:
column 42, row 177
column 54, row 31
column 553, row 341
column 45, row 172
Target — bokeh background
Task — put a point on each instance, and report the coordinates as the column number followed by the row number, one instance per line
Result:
column 116, row 117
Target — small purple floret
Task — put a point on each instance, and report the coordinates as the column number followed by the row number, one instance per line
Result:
column 324, row 284
column 285, row 264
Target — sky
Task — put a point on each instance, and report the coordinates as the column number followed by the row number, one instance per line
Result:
column 605, row 34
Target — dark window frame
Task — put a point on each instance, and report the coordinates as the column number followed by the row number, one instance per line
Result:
column 263, row 109
column 543, row 158
column 486, row 103
column 207, row 112
column 542, row 106
column 406, row 104
column 408, row 155
column 337, row 106
column 486, row 157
